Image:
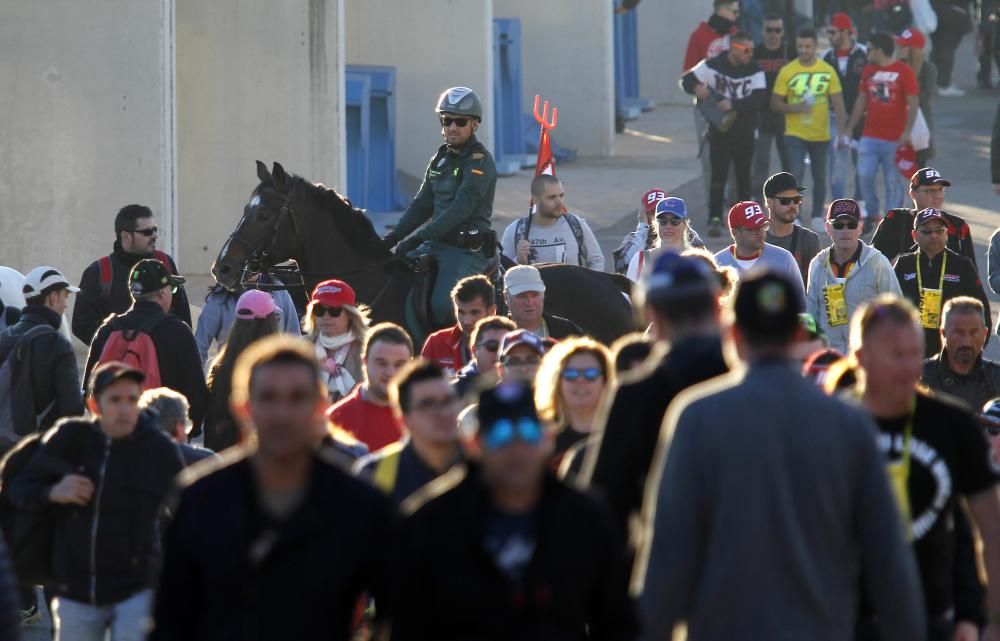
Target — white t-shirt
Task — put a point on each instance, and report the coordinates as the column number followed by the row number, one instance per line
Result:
column 555, row 243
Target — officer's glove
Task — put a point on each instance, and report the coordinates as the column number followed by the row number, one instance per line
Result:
column 408, row 245
column 389, row 240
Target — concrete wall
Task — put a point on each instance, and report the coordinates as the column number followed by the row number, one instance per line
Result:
column 256, row 79
column 434, row 44
column 664, row 29
column 83, row 126
column 567, row 53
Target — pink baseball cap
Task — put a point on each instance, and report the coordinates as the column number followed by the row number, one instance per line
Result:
column 255, row 304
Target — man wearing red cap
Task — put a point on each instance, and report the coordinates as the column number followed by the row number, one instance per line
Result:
column 848, row 58
column 888, row 101
column 934, row 274
column 748, row 226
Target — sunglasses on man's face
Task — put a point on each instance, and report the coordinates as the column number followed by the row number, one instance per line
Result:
column 147, row 232
column 503, row 432
column 932, row 231
column 844, row 225
column 797, row 200
column 774, row 29
column 447, row 122
column 589, row 374
column 322, row 310
column 490, row 345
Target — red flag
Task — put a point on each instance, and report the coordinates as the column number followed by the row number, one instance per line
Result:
column 545, row 164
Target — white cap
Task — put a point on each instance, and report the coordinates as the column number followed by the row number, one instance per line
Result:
column 41, row 278
column 523, row 278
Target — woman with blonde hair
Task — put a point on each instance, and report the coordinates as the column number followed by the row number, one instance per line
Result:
column 569, row 387
column 336, row 325
column 673, row 233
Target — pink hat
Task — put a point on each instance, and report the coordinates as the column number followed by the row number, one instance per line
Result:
column 255, row 304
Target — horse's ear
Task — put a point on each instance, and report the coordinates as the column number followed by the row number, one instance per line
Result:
column 280, row 177
column 262, row 172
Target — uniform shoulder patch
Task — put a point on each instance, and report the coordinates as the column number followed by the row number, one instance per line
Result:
column 478, row 156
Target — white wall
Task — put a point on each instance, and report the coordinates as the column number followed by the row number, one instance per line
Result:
column 434, row 45
column 664, row 29
column 256, row 79
column 567, row 55
column 82, row 126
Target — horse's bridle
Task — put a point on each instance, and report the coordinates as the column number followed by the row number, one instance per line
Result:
column 254, row 261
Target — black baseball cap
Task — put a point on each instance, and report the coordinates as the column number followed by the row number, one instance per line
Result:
column 928, row 176
column 767, row 304
column 927, row 215
column 508, row 400
column 843, row 208
column 779, row 182
column 107, row 373
column 150, row 275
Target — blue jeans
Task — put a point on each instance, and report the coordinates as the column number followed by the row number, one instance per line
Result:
column 797, row 148
column 872, row 154
column 127, row 620
column 841, row 162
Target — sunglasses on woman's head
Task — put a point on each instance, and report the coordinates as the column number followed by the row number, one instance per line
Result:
column 321, row 310
column 490, row 345
column 589, row 374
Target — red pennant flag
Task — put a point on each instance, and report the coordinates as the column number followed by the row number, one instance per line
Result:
column 545, row 164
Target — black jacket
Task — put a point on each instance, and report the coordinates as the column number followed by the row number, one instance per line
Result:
column 975, row 388
column 109, row 549
column 620, row 461
column 232, row 573
column 745, row 86
column 55, row 378
column 995, row 149
column 960, row 279
column 560, row 328
column 176, row 353
column 851, row 80
column 91, row 308
column 448, row 587
column 893, row 236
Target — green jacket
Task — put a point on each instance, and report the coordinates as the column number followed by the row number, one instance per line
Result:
column 457, row 191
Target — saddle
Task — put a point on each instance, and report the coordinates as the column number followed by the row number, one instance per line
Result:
column 425, row 270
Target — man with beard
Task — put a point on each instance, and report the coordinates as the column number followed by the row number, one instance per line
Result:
column 960, row 369
column 783, row 200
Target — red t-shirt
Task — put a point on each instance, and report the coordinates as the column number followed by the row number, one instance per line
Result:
column 887, row 89
column 445, row 347
column 374, row 425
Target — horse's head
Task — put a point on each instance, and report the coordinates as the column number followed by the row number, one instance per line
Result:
column 266, row 235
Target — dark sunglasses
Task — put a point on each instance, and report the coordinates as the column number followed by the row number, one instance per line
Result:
column 788, row 201
column 490, row 345
column 322, row 310
column 929, row 231
column 517, row 362
column 503, row 432
column 673, row 221
column 589, row 374
column 840, row 225
column 774, row 29
column 446, row 121
column 147, row 232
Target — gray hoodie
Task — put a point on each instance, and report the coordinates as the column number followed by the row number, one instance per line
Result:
column 873, row 275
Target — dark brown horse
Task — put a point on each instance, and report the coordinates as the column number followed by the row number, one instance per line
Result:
column 289, row 218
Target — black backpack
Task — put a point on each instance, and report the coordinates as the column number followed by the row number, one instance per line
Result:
column 17, row 398
column 30, row 534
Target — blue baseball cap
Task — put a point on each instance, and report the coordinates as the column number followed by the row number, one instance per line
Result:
column 673, row 206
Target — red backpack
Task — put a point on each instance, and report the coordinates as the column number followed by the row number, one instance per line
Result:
column 107, row 270
column 134, row 347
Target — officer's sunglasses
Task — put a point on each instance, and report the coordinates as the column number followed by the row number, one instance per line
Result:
column 503, row 432
column 841, row 225
column 147, row 232
column 321, row 310
column 460, row 122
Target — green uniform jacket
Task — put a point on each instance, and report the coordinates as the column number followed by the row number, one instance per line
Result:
column 457, row 192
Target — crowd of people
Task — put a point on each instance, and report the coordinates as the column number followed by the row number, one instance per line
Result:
column 801, row 439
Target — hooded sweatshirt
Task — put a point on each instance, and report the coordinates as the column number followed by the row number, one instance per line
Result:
column 709, row 40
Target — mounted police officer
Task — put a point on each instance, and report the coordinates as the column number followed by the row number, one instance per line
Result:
column 456, row 198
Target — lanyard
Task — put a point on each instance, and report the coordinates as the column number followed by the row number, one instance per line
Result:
column 829, row 262
column 944, row 264
column 907, row 438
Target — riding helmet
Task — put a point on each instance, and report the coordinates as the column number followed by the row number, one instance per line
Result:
column 461, row 101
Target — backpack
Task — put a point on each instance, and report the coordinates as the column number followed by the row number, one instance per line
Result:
column 574, row 226
column 17, row 398
column 30, row 534
column 107, row 270
column 134, row 347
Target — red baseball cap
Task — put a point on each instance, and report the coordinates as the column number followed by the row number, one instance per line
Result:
column 653, row 196
column 747, row 215
column 842, row 21
column 912, row 38
column 906, row 160
column 333, row 293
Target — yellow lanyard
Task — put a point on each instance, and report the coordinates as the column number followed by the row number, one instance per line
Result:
column 829, row 262
column 899, row 474
column 944, row 265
